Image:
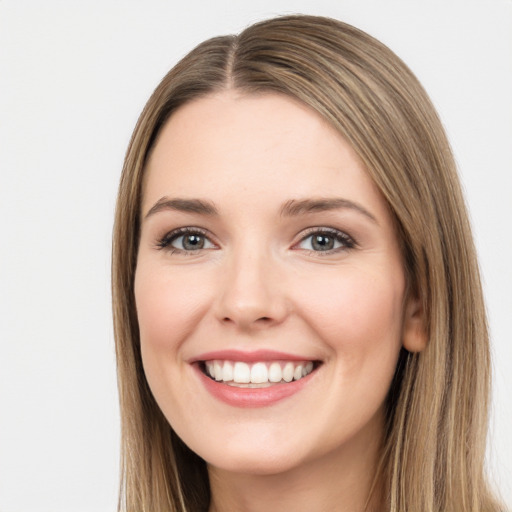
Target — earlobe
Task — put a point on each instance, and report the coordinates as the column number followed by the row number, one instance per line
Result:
column 414, row 337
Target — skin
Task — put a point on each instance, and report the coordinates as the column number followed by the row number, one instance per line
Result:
column 259, row 284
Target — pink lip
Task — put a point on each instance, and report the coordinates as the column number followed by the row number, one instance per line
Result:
column 250, row 397
column 248, row 357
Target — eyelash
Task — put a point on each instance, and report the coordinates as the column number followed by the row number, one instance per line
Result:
column 166, row 241
column 346, row 241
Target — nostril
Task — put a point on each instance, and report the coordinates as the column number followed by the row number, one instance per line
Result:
column 261, row 320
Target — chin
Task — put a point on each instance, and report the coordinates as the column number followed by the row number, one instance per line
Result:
column 255, row 462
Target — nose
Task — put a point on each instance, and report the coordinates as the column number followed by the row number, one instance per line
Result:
column 252, row 295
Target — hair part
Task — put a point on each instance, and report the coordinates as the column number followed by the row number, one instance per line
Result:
column 437, row 407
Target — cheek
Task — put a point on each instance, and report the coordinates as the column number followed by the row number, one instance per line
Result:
column 359, row 316
column 360, row 323
column 168, row 306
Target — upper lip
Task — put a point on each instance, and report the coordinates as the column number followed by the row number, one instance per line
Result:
column 249, row 356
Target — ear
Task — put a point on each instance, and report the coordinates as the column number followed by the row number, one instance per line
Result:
column 414, row 332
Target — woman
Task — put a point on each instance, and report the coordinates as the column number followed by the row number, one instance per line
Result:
column 298, row 312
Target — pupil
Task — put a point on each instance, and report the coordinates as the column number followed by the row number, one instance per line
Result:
column 193, row 242
column 323, row 242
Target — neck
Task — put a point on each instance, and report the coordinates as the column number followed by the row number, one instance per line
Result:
column 342, row 480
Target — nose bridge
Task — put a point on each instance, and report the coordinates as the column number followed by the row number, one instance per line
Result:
column 251, row 295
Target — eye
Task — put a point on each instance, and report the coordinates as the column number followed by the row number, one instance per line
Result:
column 326, row 240
column 185, row 240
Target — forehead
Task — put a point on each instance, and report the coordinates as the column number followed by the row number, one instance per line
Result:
column 240, row 122
column 230, row 145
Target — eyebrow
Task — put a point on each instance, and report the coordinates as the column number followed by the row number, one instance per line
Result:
column 183, row 205
column 291, row 208
column 296, row 207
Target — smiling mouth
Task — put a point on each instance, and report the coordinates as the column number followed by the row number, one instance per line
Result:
column 260, row 374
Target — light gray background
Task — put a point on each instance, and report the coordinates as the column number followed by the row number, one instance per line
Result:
column 73, row 79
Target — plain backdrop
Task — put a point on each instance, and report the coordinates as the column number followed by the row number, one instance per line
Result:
column 73, row 78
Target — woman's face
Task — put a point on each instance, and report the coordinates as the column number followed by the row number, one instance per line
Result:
column 269, row 286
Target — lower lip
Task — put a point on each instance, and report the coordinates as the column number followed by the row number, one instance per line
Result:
column 251, row 397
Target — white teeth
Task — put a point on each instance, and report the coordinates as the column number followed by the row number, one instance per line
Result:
column 259, row 374
column 227, row 371
column 217, row 370
column 275, row 374
column 288, row 372
column 242, row 373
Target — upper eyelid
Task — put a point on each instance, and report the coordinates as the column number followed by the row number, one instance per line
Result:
column 324, row 229
column 329, row 229
column 186, row 230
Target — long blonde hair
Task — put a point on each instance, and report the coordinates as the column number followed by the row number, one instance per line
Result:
column 433, row 456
